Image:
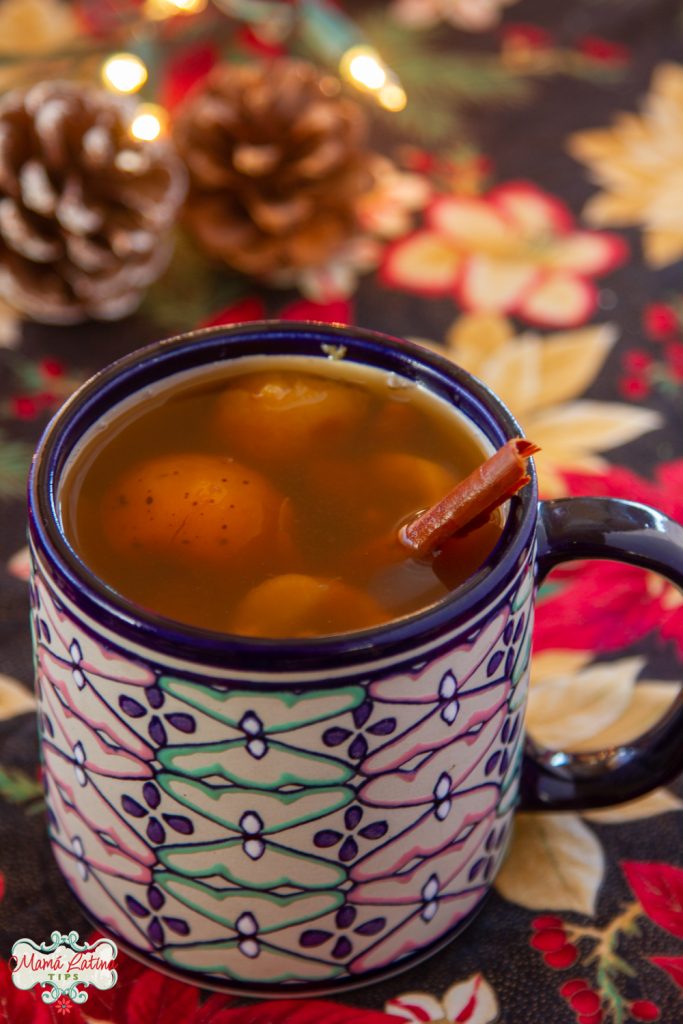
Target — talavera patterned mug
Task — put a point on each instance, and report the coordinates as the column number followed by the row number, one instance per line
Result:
column 296, row 815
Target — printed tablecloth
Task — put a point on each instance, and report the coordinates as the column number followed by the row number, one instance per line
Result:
column 529, row 221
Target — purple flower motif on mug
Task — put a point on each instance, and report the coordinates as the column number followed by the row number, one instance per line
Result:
column 434, row 897
column 113, row 917
column 451, row 821
column 86, row 657
column 348, row 841
column 357, row 737
column 154, row 922
column 148, row 705
column 459, row 691
column 434, row 914
column 464, row 760
column 347, row 923
column 155, row 829
column 104, row 840
column 83, row 722
column 75, row 675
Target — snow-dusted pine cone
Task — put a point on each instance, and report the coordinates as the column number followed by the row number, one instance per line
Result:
column 276, row 165
column 85, row 208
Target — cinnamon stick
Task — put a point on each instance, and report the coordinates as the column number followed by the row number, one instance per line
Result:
column 473, row 499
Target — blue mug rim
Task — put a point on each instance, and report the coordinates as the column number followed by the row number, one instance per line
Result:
column 122, row 378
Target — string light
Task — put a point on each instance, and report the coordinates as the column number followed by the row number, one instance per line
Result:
column 363, row 67
column 150, row 122
column 124, row 73
column 157, row 10
column 392, row 96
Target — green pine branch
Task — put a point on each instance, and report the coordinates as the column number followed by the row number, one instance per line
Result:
column 18, row 787
column 15, row 458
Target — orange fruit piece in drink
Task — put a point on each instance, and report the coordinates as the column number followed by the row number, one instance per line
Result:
column 193, row 507
column 273, row 416
column 297, row 605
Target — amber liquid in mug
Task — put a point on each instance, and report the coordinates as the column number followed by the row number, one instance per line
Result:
column 263, row 497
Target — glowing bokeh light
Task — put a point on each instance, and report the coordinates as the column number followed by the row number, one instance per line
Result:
column 124, row 73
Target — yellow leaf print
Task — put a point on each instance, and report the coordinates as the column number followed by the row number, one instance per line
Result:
column 638, row 163
column 539, row 378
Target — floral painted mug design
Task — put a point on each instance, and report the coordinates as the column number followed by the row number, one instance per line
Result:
column 304, row 814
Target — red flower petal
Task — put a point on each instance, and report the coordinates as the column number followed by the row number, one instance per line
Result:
column 425, row 262
column 313, row 1011
column 625, row 611
column 110, row 1006
column 530, row 209
column 240, row 312
column 340, row 311
column 184, row 71
column 559, row 300
column 18, row 1007
column 673, row 965
column 659, row 889
column 588, row 252
column 157, row 999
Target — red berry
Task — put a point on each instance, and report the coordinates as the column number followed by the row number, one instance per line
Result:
column 660, row 321
column 586, row 1001
column 24, row 407
column 644, row 1009
column 562, row 958
column 590, row 1018
column 45, row 399
column 634, row 387
column 674, row 358
column 546, row 921
column 597, row 48
column 549, row 940
column 636, row 360
column 571, row 987
column 51, row 368
column 523, row 34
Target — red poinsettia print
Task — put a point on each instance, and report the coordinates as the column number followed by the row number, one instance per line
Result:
column 515, row 250
column 145, row 996
column 673, row 965
column 625, row 602
column 18, row 1007
column 249, row 309
column 659, row 889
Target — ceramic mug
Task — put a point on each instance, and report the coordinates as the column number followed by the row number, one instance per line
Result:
column 269, row 815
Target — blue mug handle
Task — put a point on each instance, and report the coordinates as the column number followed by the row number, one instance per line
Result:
column 624, row 531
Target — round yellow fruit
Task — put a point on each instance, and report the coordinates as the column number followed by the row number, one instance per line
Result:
column 274, row 416
column 297, row 605
column 195, row 507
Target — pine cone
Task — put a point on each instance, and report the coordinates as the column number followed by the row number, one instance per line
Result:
column 276, row 165
column 85, row 209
